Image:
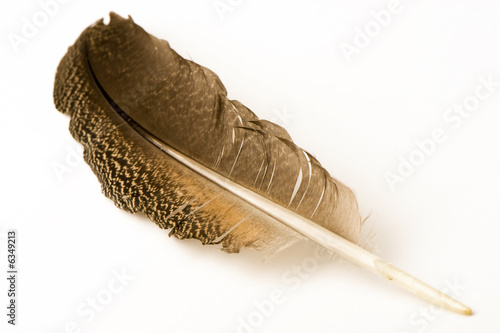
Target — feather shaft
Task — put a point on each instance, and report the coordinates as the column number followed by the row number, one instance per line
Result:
column 315, row 232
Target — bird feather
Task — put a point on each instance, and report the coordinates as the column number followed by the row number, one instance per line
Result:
column 164, row 139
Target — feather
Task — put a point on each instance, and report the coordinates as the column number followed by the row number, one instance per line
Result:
column 164, row 139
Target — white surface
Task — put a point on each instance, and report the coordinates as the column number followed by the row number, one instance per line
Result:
column 283, row 60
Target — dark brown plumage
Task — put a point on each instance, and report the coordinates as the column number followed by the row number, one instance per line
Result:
column 117, row 78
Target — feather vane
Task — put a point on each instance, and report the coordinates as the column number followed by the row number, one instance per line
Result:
column 186, row 107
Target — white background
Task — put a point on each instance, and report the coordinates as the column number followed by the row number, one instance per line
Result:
column 282, row 59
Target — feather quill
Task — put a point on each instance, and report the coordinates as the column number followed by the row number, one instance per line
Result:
column 164, row 139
